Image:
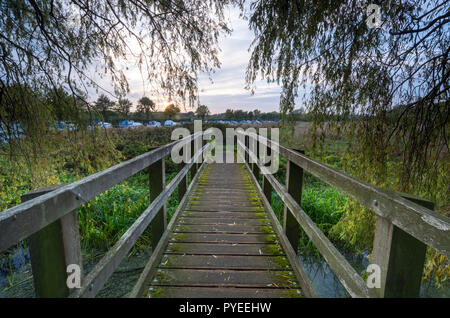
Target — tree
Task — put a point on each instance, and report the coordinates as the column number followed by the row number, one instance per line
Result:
column 202, row 111
column 49, row 44
column 123, row 106
column 388, row 84
column 257, row 113
column 171, row 110
column 229, row 114
column 145, row 106
column 103, row 105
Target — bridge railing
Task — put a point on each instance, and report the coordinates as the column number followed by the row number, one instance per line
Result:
column 48, row 219
column 405, row 225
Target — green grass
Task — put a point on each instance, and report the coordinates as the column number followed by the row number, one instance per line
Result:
column 322, row 203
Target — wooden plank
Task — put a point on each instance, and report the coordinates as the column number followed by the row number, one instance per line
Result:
column 222, row 238
column 224, row 249
column 19, row 222
column 210, row 292
column 52, row 249
column 223, row 221
column 106, row 266
column 225, row 262
column 222, row 214
column 427, row 226
column 224, row 278
column 243, row 229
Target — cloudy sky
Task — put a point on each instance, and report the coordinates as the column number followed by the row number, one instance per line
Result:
column 227, row 88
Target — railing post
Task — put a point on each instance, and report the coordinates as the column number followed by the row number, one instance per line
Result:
column 182, row 186
column 267, row 186
column 52, row 249
column 294, row 183
column 401, row 257
column 194, row 166
column 157, row 182
column 255, row 168
column 247, row 144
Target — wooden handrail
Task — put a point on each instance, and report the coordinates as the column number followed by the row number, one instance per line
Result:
column 21, row 221
column 420, row 222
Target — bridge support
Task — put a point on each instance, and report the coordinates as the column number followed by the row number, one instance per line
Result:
column 266, row 185
column 401, row 257
column 182, row 186
column 52, row 249
column 294, row 184
column 157, row 184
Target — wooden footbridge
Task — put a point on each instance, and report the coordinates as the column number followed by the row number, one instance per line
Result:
column 224, row 239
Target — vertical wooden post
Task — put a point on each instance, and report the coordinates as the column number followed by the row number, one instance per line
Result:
column 157, row 184
column 255, row 168
column 194, row 166
column 52, row 249
column 247, row 144
column 182, row 186
column 294, row 183
column 401, row 257
column 266, row 186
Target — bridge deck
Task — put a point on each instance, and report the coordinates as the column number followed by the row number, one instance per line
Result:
column 223, row 243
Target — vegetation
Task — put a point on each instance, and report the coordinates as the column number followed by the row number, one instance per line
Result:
column 145, row 107
column 171, row 111
column 202, row 111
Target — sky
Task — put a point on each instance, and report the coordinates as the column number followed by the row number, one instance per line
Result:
column 227, row 88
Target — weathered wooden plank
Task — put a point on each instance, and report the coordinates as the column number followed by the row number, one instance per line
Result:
column 219, row 221
column 230, row 228
column 19, row 222
column 427, row 226
column 222, row 238
column 225, row 278
column 224, row 249
column 233, row 292
column 225, row 262
column 222, row 214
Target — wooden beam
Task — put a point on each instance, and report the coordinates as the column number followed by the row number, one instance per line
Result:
column 52, row 249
